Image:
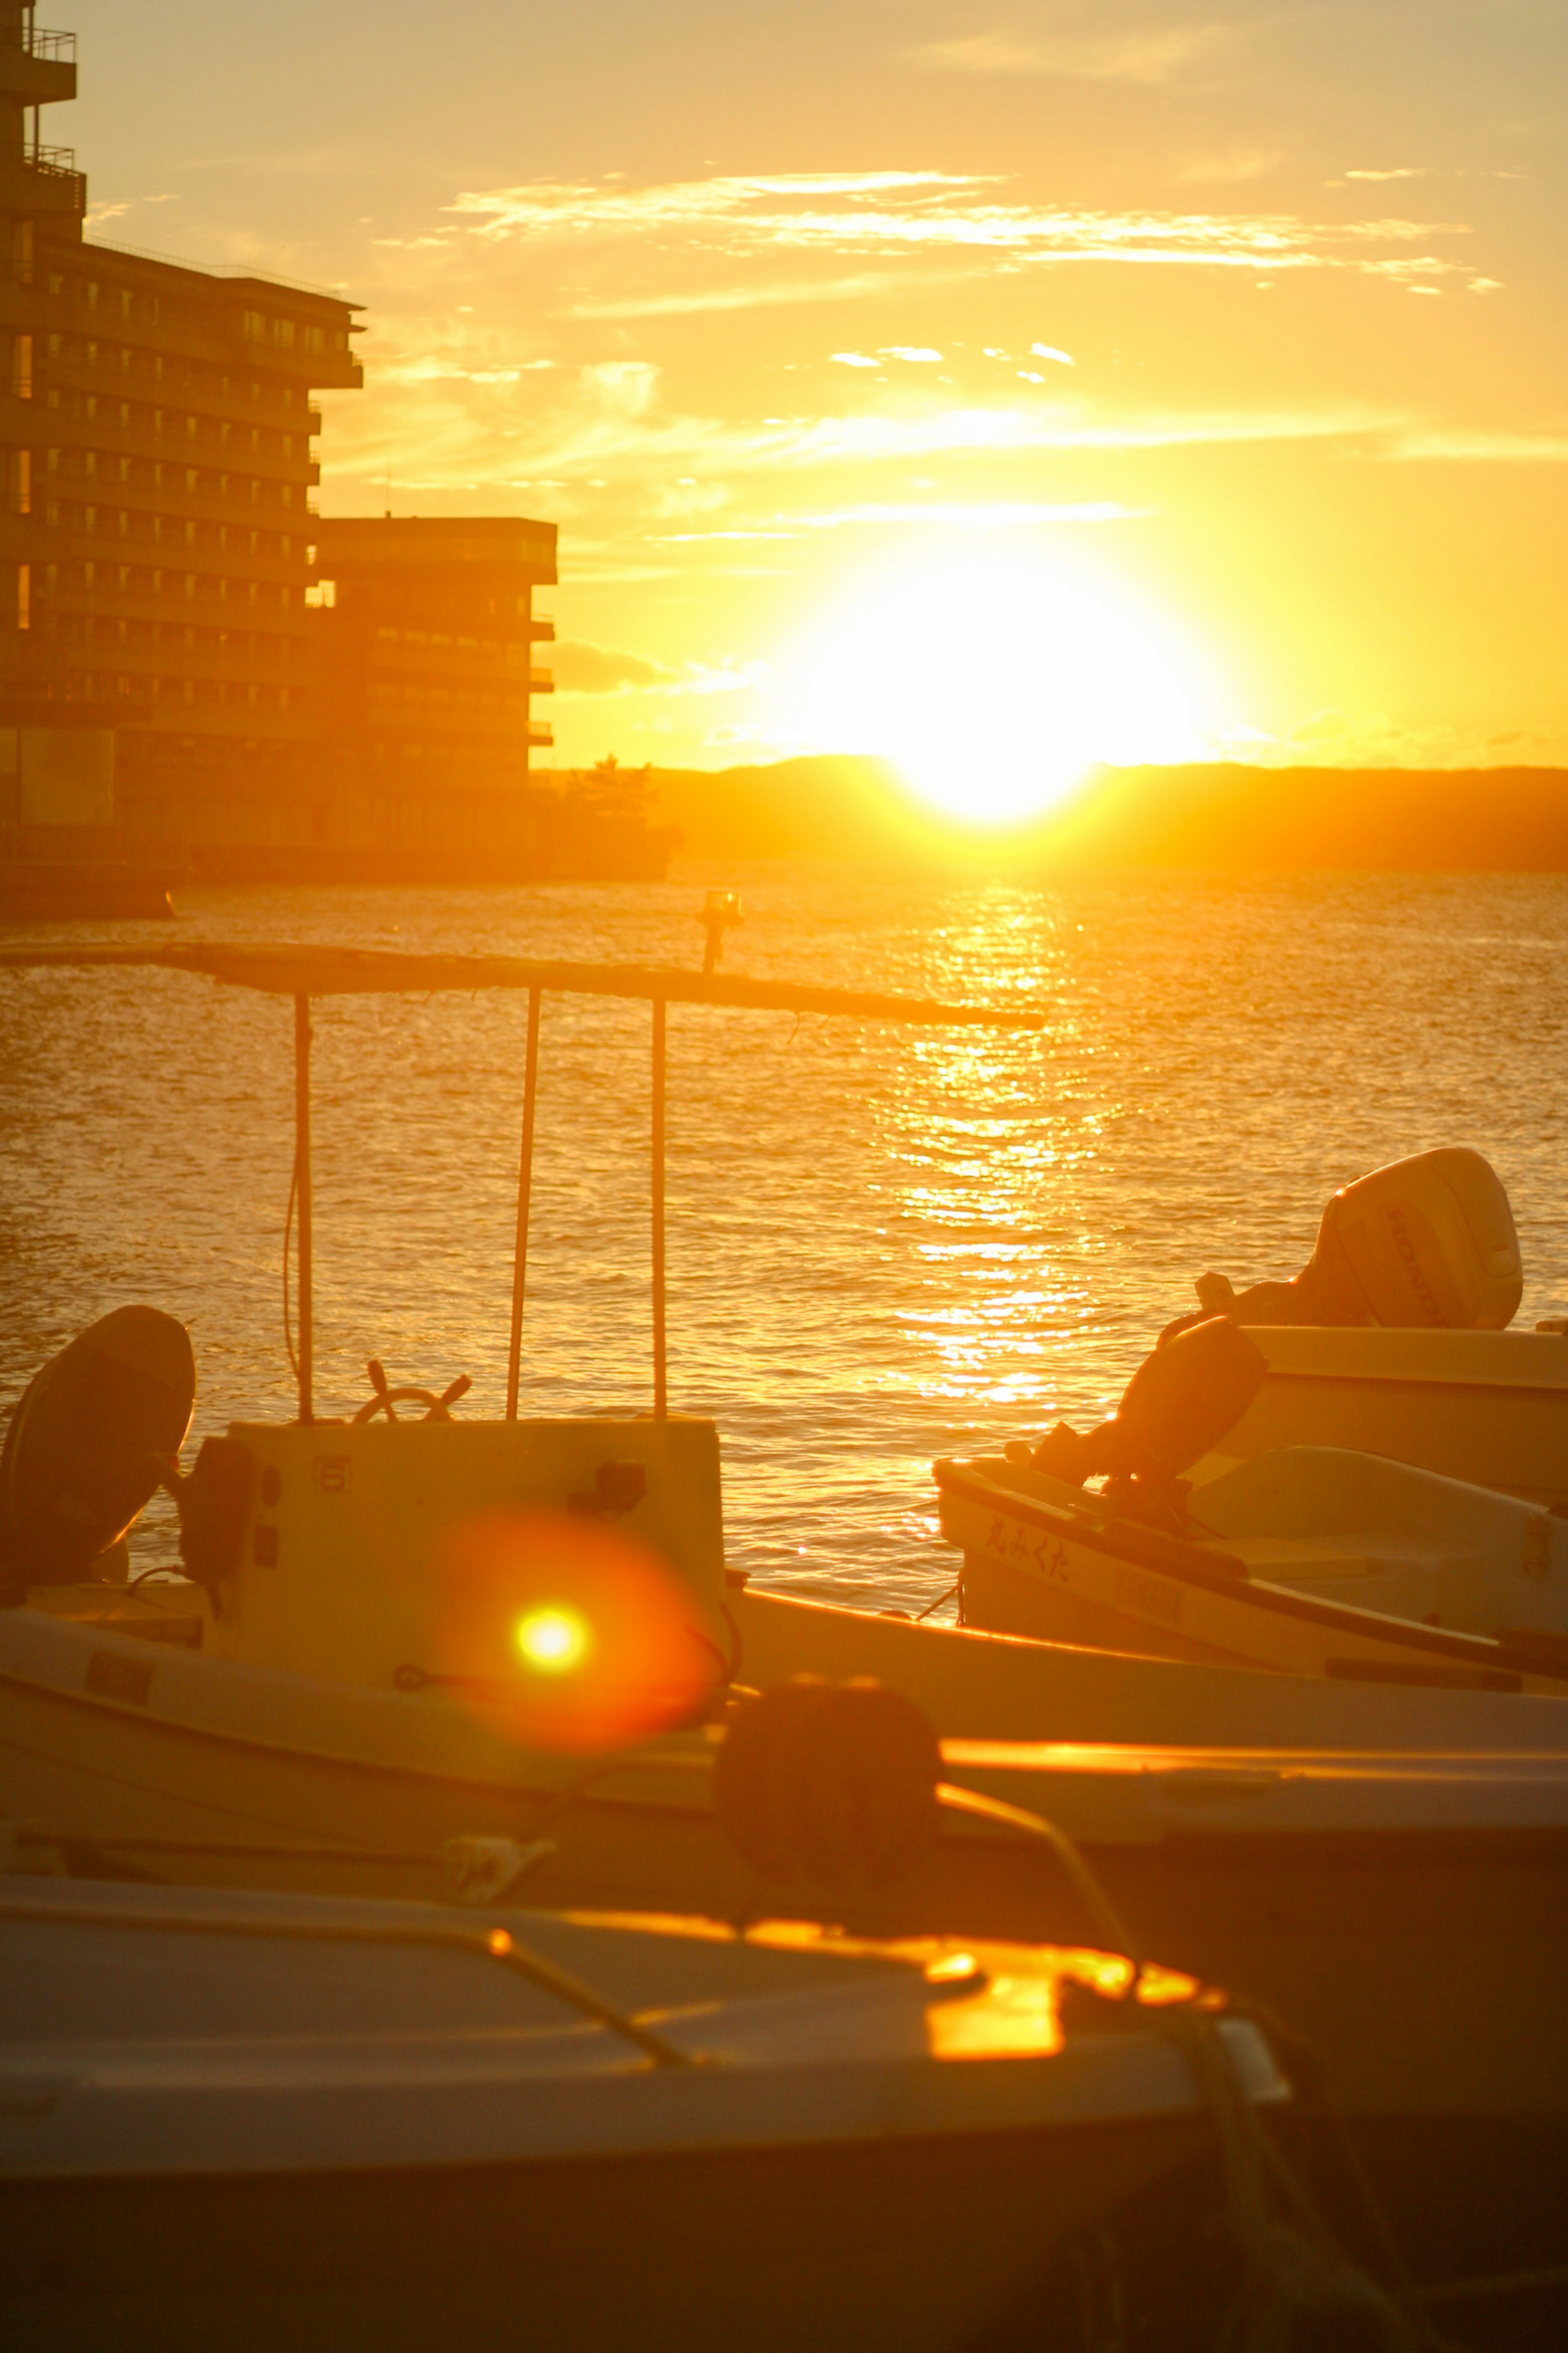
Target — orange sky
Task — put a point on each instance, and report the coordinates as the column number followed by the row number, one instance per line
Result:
column 1000, row 386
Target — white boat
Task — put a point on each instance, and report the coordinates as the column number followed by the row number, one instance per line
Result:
column 1311, row 1560
column 256, row 2121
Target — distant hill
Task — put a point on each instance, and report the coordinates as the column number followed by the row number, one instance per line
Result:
column 1496, row 820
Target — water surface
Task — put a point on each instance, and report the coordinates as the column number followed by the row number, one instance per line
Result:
column 884, row 1243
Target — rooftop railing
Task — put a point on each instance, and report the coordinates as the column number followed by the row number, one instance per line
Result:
column 56, row 49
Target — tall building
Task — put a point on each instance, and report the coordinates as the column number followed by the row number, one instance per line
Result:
column 425, row 638
column 155, row 468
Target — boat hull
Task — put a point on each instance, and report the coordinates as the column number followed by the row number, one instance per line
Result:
column 911, row 2245
column 1363, row 1904
column 1487, row 1407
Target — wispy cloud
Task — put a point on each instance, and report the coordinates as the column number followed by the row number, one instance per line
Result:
column 931, row 514
column 1216, row 167
column 1149, row 54
column 604, row 670
column 892, row 214
column 1489, row 448
column 753, row 296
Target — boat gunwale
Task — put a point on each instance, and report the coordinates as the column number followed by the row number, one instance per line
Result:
column 1480, row 1650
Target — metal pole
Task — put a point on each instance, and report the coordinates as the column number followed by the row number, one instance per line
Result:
column 660, row 1402
column 524, row 1189
column 302, row 1181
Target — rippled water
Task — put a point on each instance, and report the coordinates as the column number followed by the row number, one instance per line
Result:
column 884, row 1244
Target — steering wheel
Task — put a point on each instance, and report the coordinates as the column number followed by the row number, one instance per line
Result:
column 387, row 1400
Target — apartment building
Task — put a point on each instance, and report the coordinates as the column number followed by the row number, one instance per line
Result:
column 157, row 456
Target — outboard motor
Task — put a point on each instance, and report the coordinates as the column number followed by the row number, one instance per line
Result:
column 1176, row 1407
column 94, row 1434
column 1427, row 1241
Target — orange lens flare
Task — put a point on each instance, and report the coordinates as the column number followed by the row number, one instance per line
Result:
column 584, row 1636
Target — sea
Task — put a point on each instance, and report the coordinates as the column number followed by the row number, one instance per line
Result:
column 886, row 1243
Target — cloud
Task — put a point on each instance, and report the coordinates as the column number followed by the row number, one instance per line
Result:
column 997, row 514
column 894, row 214
column 1149, row 55
column 1230, row 165
column 1373, row 739
column 1049, row 352
column 608, row 670
column 854, row 359
column 916, row 352
column 1484, row 449
column 754, row 296
column 1401, row 172
column 603, row 669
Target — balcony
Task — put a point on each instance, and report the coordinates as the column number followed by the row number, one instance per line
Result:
column 55, row 166
column 539, row 735
column 37, row 68
column 542, row 682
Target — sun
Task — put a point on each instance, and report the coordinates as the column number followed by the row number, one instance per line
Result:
column 993, row 687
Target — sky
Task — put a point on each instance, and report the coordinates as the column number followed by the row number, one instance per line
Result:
column 997, row 386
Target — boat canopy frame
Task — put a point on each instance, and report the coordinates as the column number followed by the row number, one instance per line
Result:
column 303, row 972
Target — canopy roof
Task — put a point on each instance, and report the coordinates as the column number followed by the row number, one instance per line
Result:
column 294, row 970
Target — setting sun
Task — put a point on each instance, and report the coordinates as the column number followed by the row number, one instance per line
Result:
column 993, row 686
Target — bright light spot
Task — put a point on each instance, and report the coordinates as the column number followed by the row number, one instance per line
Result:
column 1049, row 352
column 555, row 1640
column 994, row 687
column 854, row 359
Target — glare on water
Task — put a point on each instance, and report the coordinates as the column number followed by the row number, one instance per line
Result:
column 884, row 1243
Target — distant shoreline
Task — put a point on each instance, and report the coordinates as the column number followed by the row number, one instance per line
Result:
column 1223, row 815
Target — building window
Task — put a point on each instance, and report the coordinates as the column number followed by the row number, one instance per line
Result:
column 54, row 347
column 253, row 326
column 21, row 482
column 92, row 354
column 24, row 595
column 22, row 367
column 283, row 332
column 92, row 293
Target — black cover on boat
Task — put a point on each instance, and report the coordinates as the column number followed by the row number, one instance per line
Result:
column 90, row 1441
column 1178, row 1405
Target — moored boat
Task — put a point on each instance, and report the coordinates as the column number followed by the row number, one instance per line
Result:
column 1311, row 1560
column 259, row 2120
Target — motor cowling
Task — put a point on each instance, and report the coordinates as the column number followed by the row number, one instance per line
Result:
column 90, row 1440
column 1426, row 1242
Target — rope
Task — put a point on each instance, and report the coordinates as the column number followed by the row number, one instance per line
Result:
column 1297, row 2286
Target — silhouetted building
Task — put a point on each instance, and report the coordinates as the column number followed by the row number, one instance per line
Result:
column 426, row 678
column 154, row 545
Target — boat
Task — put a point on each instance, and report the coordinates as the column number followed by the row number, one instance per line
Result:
column 1395, row 1339
column 1313, row 1561
column 1488, row 1408
column 302, row 1712
column 256, row 2120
